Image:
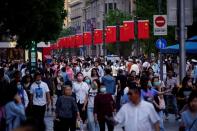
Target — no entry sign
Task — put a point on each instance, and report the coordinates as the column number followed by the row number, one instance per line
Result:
column 160, row 24
column 160, row 21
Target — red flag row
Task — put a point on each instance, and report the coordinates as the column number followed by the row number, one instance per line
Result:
column 126, row 33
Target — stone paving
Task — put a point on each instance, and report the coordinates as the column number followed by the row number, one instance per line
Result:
column 170, row 125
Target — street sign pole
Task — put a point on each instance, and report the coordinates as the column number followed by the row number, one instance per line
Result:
column 136, row 36
column 104, row 44
column 161, row 55
column 33, row 57
column 118, row 37
column 182, row 68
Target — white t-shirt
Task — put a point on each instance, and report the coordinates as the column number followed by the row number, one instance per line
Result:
column 87, row 72
column 39, row 93
column 81, row 90
column 91, row 95
column 137, row 118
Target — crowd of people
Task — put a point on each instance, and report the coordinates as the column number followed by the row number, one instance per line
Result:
column 101, row 94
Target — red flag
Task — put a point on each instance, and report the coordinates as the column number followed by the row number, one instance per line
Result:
column 143, row 29
column 69, row 42
column 123, row 37
column 60, row 43
column 65, row 43
column 78, row 40
column 87, row 38
column 110, row 34
column 98, row 36
column 54, row 46
column 72, row 41
column 128, row 30
column 46, row 51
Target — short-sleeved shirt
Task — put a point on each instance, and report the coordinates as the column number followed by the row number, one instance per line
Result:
column 143, row 116
column 149, row 94
column 91, row 95
column 170, row 84
column 81, row 90
column 39, row 93
column 187, row 119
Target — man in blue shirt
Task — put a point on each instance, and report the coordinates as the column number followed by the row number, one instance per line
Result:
column 109, row 82
column 64, row 75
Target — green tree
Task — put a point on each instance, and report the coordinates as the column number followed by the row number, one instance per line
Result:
column 66, row 32
column 145, row 10
column 32, row 20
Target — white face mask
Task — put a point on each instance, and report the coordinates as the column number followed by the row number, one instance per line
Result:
column 87, row 69
column 103, row 90
column 38, row 82
column 5, row 68
column 19, row 86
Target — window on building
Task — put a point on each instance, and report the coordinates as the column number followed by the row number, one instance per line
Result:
column 129, row 6
column 110, row 6
column 105, row 8
column 115, row 7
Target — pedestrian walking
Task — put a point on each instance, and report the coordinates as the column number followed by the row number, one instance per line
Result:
column 80, row 88
column 66, row 111
column 137, row 115
column 104, row 106
column 92, row 92
column 189, row 117
column 40, row 98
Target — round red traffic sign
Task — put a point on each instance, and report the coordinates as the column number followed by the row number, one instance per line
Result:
column 160, row 21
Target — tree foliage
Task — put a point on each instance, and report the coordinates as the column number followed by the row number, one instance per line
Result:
column 32, row 20
column 145, row 10
column 114, row 17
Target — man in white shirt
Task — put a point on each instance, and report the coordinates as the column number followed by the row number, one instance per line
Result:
column 40, row 97
column 137, row 115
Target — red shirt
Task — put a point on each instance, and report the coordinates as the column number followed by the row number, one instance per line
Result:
column 103, row 105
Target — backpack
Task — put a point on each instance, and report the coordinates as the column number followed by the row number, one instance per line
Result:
column 2, row 119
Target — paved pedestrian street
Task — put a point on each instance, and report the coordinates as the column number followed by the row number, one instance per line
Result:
column 170, row 125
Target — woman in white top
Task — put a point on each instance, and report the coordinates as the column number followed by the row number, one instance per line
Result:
column 80, row 88
column 92, row 92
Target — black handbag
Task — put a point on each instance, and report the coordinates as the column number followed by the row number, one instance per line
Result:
column 56, row 125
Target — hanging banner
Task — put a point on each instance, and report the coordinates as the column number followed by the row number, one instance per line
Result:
column 143, row 29
column 110, row 34
column 98, row 36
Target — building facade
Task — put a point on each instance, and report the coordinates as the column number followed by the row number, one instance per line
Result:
column 76, row 15
column 86, row 15
column 67, row 20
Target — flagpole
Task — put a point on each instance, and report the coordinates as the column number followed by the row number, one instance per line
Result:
column 117, row 35
column 104, row 44
column 136, row 35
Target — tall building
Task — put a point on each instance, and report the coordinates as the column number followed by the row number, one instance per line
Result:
column 95, row 10
column 76, row 15
column 86, row 15
column 67, row 20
